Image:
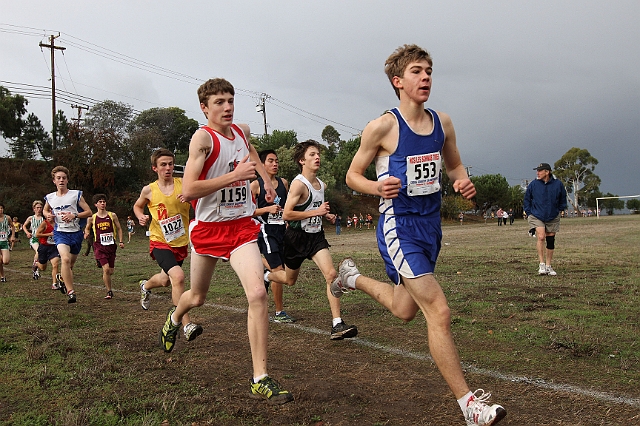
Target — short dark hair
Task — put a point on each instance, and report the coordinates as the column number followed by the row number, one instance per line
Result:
column 264, row 153
column 99, row 197
column 214, row 86
column 301, row 149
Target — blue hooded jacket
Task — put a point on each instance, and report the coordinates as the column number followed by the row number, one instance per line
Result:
column 545, row 200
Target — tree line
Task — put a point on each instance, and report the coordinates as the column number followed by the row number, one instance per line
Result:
column 108, row 151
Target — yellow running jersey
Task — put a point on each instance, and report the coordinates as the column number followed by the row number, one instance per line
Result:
column 170, row 216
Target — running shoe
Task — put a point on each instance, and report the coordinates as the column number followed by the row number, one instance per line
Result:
column 109, row 295
column 60, row 282
column 346, row 270
column 145, row 295
column 542, row 270
column 72, row 297
column 283, row 317
column 270, row 390
column 169, row 332
column 267, row 283
column 479, row 413
column 343, row 331
column 3, row 280
column 551, row 272
column 36, row 274
column 192, row 330
column 55, row 286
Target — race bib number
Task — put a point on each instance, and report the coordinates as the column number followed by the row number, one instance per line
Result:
column 423, row 174
column 313, row 224
column 275, row 218
column 233, row 201
column 50, row 240
column 3, row 236
column 106, row 239
column 62, row 225
column 172, row 228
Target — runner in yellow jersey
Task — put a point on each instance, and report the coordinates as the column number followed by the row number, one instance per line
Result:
column 168, row 232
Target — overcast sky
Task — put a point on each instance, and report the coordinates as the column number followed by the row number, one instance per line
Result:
column 523, row 81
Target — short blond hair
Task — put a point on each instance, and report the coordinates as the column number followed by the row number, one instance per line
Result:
column 35, row 203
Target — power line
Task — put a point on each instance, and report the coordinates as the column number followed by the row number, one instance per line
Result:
column 123, row 59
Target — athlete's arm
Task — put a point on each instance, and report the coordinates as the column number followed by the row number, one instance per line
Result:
column 86, row 210
column 270, row 193
column 40, row 231
column 455, row 169
column 87, row 229
column 199, row 148
column 255, row 191
column 372, row 144
column 116, row 223
column 141, row 202
column 24, row 227
column 46, row 209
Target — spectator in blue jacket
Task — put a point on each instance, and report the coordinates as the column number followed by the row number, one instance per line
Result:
column 544, row 199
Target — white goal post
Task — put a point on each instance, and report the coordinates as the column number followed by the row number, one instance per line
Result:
column 610, row 198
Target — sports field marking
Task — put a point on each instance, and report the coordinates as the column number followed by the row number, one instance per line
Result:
column 540, row 383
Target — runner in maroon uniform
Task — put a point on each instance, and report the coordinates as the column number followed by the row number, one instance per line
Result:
column 105, row 224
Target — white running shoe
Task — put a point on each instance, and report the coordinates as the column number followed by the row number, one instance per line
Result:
column 145, row 296
column 191, row 331
column 551, row 272
column 478, row 413
column 542, row 270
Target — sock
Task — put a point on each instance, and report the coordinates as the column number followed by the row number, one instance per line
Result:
column 351, row 281
column 278, row 312
column 173, row 321
column 71, row 292
column 337, row 321
column 463, row 402
column 257, row 379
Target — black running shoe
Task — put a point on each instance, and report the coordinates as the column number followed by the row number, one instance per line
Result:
column 343, row 331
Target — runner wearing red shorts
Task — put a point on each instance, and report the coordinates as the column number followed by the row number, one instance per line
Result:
column 216, row 179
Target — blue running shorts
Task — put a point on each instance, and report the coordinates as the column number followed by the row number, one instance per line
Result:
column 72, row 239
column 409, row 245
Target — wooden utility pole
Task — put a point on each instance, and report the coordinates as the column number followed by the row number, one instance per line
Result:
column 261, row 108
column 79, row 108
column 53, row 48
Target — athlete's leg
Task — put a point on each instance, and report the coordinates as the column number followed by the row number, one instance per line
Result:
column 245, row 261
column 4, row 254
column 176, row 277
column 393, row 297
column 107, row 272
column 429, row 296
column 202, row 268
column 67, row 260
column 325, row 263
column 55, row 268
column 287, row 276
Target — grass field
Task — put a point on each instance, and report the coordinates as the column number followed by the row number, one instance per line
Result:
column 552, row 350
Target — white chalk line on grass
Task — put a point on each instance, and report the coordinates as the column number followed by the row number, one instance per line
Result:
column 540, row 383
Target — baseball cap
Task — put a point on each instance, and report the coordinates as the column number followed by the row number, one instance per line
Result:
column 543, row 166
